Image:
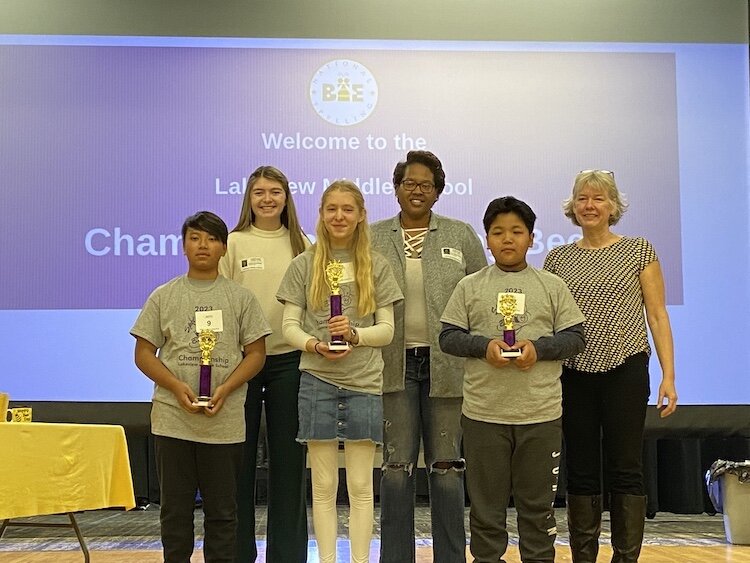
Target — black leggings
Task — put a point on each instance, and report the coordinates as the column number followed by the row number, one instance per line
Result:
column 605, row 411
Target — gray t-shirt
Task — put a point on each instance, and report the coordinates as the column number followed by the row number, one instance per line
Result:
column 167, row 321
column 508, row 395
column 362, row 369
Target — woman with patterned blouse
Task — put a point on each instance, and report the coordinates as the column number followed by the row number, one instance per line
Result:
column 606, row 387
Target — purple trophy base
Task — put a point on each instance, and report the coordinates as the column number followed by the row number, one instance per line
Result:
column 337, row 343
column 204, row 387
column 509, row 337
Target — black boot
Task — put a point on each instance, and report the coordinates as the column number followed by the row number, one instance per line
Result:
column 584, row 526
column 627, row 516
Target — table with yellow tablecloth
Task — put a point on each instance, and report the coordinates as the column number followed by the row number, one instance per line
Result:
column 62, row 468
column 55, row 468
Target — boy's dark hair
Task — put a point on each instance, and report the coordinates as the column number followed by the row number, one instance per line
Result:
column 208, row 223
column 427, row 159
column 509, row 204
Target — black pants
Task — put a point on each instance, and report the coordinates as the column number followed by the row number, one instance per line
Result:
column 520, row 459
column 276, row 386
column 184, row 468
column 605, row 412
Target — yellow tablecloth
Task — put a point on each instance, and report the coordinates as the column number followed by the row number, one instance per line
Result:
column 51, row 468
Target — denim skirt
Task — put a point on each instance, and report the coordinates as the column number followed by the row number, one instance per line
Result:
column 328, row 412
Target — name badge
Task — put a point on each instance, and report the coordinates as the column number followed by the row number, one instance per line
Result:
column 519, row 298
column 252, row 263
column 209, row 320
column 452, row 254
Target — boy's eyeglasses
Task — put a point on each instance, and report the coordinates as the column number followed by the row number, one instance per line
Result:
column 607, row 172
column 411, row 185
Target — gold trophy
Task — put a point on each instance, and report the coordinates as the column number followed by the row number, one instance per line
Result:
column 334, row 274
column 206, row 341
column 506, row 306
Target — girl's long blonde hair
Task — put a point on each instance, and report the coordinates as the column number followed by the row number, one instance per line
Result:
column 288, row 215
column 360, row 249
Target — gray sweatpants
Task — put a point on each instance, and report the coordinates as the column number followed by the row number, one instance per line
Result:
column 522, row 460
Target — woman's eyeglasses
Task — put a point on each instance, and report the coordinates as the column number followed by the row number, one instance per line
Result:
column 411, row 185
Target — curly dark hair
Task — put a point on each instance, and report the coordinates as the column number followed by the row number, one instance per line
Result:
column 427, row 159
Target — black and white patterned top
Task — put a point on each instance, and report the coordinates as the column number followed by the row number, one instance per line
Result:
column 606, row 285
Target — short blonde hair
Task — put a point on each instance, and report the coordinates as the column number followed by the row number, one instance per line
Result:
column 604, row 181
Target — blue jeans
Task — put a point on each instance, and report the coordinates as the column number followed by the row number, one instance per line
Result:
column 409, row 415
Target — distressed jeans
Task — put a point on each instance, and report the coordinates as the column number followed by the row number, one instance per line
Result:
column 409, row 415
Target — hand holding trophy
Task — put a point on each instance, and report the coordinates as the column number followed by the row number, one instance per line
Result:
column 334, row 274
column 507, row 306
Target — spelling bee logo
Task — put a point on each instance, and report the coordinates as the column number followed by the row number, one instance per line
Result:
column 343, row 92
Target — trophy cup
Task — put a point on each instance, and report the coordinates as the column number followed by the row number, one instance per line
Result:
column 206, row 341
column 506, row 306
column 334, row 273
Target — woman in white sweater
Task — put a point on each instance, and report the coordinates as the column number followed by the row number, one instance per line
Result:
column 262, row 245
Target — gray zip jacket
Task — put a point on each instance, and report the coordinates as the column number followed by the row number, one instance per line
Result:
column 451, row 251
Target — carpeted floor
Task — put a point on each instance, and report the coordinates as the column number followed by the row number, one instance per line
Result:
column 139, row 530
